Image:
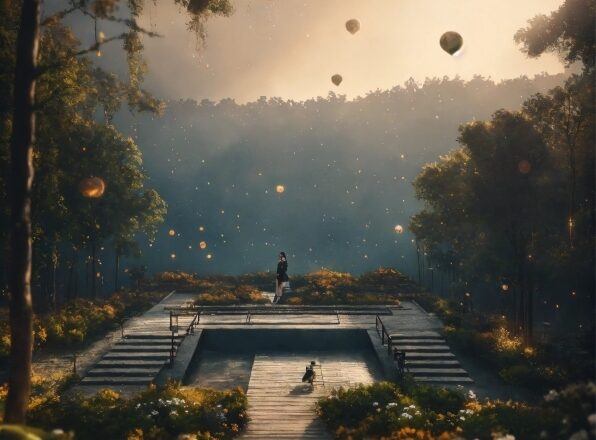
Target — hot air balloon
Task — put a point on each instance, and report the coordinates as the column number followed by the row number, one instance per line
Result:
column 451, row 42
column 399, row 229
column 336, row 79
column 353, row 26
column 92, row 187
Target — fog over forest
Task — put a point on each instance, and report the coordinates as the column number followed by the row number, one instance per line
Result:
column 346, row 168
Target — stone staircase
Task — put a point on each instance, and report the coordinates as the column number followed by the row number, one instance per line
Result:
column 429, row 359
column 134, row 360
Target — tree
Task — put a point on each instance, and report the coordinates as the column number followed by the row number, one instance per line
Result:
column 22, row 140
column 483, row 205
column 569, row 31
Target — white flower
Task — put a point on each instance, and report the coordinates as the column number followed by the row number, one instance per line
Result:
column 375, row 404
column 469, row 411
column 412, row 406
column 391, row 405
column 173, row 413
column 459, row 387
column 405, row 415
column 505, row 437
column 57, row 432
column 417, row 413
column 471, row 395
column 462, row 418
column 154, row 412
column 138, row 406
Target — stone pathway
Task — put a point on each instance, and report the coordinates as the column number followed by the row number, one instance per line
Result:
column 132, row 362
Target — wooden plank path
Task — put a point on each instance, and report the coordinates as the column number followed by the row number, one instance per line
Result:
column 282, row 407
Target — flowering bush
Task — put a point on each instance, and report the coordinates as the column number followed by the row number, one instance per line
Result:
column 223, row 295
column 159, row 413
column 79, row 320
column 384, row 411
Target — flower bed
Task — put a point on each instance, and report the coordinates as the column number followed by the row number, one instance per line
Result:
column 539, row 367
column 159, row 413
column 385, row 411
column 82, row 319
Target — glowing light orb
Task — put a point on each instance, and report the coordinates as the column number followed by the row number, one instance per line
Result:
column 280, row 188
column 399, row 229
column 353, row 26
column 524, row 166
column 173, row 256
column 203, row 244
column 451, row 42
column 505, row 287
column 336, row 79
column 201, row 228
column 92, row 187
column 209, row 256
column 171, row 232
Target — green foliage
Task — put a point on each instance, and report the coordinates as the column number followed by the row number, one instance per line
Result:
column 425, row 412
column 81, row 320
column 158, row 413
column 568, row 31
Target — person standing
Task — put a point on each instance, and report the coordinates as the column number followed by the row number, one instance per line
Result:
column 282, row 276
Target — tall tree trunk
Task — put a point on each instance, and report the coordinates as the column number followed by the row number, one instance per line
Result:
column 93, row 270
column 116, row 272
column 21, row 179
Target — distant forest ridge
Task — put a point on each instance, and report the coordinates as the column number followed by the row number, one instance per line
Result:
column 346, row 167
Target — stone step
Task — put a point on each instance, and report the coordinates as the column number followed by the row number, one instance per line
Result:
column 443, row 379
column 417, row 355
column 156, row 356
column 416, row 335
column 141, row 348
column 432, row 363
column 420, row 341
column 120, row 380
column 420, row 348
column 154, row 335
column 119, row 372
column 438, row 371
column 109, row 363
column 167, row 342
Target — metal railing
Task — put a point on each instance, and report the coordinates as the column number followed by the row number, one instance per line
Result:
column 174, row 328
column 384, row 334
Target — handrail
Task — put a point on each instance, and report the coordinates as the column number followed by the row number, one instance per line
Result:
column 174, row 329
column 383, row 333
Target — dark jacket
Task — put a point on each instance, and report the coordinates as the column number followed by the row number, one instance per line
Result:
column 282, row 269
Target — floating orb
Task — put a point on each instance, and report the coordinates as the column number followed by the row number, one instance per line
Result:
column 203, row 244
column 280, row 188
column 524, row 166
column 209, row 256
column 201, row 228
column 336, row 79
column 173, row 256
column 504, row 287
column 92, row 187
column 451, row 42
column 353, row 26
column 399, row 229
column 171, row 232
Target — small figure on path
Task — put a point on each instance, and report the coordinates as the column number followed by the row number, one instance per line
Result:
column 282, row 276
column 310, row 374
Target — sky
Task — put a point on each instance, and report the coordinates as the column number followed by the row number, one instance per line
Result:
column 291, row 48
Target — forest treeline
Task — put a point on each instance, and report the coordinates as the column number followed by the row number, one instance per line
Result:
column 512, row 207
column 75, row 141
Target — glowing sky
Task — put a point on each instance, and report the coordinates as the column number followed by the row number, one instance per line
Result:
column 291, row 48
